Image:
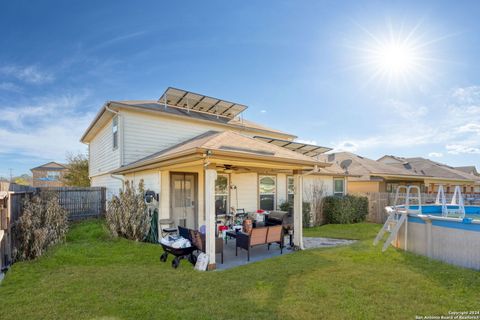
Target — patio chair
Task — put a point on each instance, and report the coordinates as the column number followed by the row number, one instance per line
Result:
column 199, row 241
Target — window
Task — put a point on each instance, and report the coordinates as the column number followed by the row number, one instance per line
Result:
column 290, row 189
column 338, row 187
column 221, row 194
column 53, row 175
column 115, row 132
column 267, row 191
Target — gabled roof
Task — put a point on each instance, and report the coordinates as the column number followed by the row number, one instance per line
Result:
column 469, row 170
column 50, row 166
column 158, row 107
column 431, row 168
column 226, row 143
column 365, row 168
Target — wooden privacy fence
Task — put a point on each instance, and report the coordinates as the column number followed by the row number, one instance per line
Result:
column 81, row 203
column 377, row 201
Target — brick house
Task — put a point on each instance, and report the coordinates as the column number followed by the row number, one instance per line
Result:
column 49, row 175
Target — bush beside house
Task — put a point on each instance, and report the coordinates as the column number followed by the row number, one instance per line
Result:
column 346, row 209
column 125, row 214
column 43, row 223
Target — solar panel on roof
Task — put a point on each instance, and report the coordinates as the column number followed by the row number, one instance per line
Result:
column 193, row 101
column 310, row 150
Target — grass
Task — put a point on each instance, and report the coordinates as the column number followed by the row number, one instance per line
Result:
column 92, row 276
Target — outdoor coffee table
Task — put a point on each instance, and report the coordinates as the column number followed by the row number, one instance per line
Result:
column 230, row 234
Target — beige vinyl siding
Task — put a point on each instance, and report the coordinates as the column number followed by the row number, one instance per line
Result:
column 151, row 179
column 145, row 134
column 102, row 156
column 325, row 182
column 247, row 189
column 113, row 185
column 281, row 188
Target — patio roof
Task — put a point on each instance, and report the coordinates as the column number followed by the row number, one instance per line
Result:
column 228, row 147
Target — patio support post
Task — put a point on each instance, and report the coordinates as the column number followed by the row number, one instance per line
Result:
column 298, row 211
column 210, row 177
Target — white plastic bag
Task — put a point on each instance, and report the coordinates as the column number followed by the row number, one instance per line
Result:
column 202, row 262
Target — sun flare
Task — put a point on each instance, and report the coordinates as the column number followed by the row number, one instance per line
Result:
column 395, row 58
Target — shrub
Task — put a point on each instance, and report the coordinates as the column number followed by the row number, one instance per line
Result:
column 43, row 223
column 345, row 209
column 126, row 214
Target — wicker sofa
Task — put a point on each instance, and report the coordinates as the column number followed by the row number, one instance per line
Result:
column 259, row 236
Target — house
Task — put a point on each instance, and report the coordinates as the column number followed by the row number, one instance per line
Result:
column 469, row 169
column 202, row 158
column 48, row 175
column 367, row 175
column 436, row 174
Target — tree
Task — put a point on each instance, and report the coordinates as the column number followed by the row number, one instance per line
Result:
column 77, row 175
column 24, row 180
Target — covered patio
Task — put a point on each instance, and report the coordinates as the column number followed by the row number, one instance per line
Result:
column 199, row 161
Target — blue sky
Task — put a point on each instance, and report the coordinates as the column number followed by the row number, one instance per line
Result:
column 301, row 66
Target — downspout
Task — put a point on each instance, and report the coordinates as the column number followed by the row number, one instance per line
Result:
column 120, row 146
column 119, row 177
column 120, row 131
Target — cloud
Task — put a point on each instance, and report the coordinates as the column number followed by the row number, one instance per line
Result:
column 455, row 123
column 27, row 74
column 462, row 149
column 306, row 141
column 45, row 128
column 435, row 154
column 349, row 146
column 467, row 95
column 9, row 86
column 470, row 127
column 263, row 111
column 406, row 110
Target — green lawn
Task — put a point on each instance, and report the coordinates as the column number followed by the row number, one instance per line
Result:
column 93, row 276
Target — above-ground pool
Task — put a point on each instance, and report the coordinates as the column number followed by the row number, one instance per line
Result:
column 452, row 239
column 470, row 211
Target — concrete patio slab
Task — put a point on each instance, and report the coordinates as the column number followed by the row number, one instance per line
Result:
column 261, row 252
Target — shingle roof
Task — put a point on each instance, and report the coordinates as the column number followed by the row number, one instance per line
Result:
column 435, row 169
column 153, row 105
column 50, row 166
column 364, row 167
column 468, row 169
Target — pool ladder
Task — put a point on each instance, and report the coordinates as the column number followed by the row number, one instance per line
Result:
column 457, row 199
column 398, row 215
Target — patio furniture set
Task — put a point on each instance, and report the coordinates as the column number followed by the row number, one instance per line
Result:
column 269, row 231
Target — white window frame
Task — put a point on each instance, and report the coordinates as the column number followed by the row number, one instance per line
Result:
column 55, row 175
column 227, row 194
column 274, row 177
column 337, row 193
column 293, row 191
column 115, row 132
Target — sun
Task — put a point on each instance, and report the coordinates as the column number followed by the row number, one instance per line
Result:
column 396, row 58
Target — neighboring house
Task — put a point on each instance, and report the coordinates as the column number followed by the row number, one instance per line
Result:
column 436, row 173
column 469, row 169
column 367, row 175
column 180, row 142
column 48, row 175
